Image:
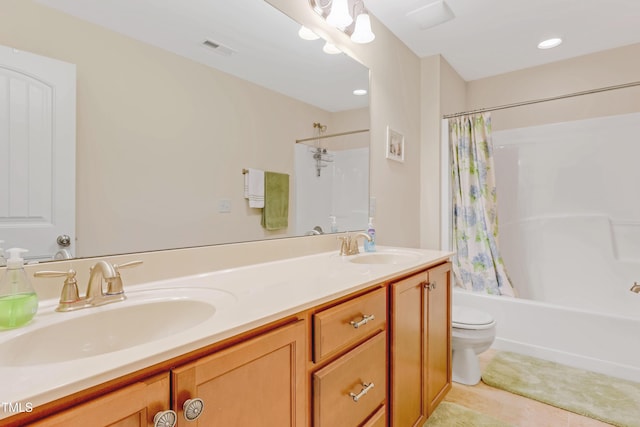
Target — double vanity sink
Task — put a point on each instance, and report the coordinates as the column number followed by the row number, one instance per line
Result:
column 62, row 353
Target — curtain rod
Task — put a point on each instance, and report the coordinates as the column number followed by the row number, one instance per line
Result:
column 537, row 101
column 331, row 135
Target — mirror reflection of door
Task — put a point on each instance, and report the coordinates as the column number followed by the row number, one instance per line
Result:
column 37, row 153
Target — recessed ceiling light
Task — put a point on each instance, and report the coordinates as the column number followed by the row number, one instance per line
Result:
column 550, row 43
column 360, row 92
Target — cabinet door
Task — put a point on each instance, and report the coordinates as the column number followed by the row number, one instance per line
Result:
column 438, row 335
column 408, row 358
column 260, row 382
column 131, row 406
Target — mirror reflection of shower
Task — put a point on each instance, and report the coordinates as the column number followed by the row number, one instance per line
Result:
column 331, row 181
column 319, row 153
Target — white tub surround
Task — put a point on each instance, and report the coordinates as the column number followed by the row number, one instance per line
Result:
column 581, row 338
column 256, row 295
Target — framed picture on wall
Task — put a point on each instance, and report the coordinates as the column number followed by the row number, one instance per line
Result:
column 395, row 145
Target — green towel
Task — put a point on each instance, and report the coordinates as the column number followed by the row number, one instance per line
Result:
column 275, row 214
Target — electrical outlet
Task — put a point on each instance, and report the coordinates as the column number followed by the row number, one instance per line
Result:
column 224, row 206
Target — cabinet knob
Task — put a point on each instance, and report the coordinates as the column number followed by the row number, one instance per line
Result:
column 430, row 286
column 193, row 408
column 366, row 318
column 365, row 389
column 165, row 419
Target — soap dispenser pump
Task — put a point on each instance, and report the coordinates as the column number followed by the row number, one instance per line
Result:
column 18, row 300
column 370, row 245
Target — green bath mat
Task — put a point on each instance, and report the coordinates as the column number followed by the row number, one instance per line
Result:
column 452, row 415
column 612, row 400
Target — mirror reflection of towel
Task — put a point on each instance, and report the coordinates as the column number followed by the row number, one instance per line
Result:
column 254, row 188
column 275, row 215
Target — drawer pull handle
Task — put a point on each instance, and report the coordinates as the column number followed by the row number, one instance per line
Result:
column 364, row 391
column 366, row 318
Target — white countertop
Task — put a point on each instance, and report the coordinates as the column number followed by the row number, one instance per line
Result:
column 252, row 296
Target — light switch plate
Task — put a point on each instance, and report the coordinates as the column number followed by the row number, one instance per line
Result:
column 224, row 205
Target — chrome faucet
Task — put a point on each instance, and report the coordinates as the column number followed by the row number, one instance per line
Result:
column 635, row 288
column 349, row 243
column 96, row 294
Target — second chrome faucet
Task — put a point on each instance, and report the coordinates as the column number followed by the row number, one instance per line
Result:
column 349, row 243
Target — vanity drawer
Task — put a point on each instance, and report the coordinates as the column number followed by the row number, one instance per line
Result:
column 340, row 327
column 379, row 419
column 363, row 368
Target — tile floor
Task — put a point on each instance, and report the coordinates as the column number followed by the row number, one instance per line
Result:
column 514, row 409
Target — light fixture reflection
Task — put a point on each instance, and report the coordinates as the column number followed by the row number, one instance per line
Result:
column 307, row 34
column 331, row 49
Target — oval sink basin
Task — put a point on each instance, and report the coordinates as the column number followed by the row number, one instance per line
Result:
column 386, row 258
column 146, row 316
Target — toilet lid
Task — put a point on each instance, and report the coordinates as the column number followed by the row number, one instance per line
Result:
column 469, row 318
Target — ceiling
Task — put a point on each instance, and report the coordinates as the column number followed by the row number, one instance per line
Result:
column 490, row 37
column 268, row 53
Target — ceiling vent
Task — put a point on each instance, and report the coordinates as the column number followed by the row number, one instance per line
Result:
column 432, row 14
column 218, row 47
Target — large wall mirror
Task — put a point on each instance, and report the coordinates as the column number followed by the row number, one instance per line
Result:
column 172, row 101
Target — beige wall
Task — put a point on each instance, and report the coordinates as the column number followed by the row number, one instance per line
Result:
column 442, row 91
column 608, row 68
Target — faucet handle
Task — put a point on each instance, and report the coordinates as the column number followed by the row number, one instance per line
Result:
column 114, row 286
column 345, row 243
column 128, row 264
column 69, row 292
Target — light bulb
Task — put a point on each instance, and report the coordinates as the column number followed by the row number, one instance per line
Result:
column 331, row 49
column 362, row 32
column 307, row 34
column 339, row 16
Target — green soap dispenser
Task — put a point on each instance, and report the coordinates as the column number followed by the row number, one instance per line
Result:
column 18, row 300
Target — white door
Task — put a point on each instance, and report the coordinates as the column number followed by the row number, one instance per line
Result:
column 37, row 152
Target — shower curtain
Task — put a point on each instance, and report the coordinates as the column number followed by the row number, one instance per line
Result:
column 477, row 264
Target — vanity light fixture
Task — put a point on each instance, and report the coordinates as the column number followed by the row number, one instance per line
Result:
column 339, row 16
column 342, row 14
column 362, row 31
column 331, row 49
column 307, row 34
column 360, row 92
column 550, row 43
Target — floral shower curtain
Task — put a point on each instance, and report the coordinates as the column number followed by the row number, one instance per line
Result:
column 477, row 264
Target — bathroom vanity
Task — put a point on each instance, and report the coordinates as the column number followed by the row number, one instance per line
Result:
column 319, row 340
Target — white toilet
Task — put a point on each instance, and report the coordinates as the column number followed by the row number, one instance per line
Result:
column 473, row 332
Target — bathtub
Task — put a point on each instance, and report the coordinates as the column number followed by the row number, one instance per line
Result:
column 585, row 339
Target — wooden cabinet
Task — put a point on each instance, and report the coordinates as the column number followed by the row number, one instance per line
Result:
column 420, row 341
column 351, row 389
column 341, row 365
column 259, row 382
column 340, row 327
column 131, row 406
column 349, row 341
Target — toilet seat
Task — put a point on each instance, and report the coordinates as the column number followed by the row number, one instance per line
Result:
column 469, row 318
